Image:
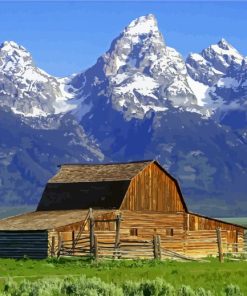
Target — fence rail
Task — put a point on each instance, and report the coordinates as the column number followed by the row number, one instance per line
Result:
column 102, row 245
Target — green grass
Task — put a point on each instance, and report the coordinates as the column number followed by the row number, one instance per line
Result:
column 210, row 275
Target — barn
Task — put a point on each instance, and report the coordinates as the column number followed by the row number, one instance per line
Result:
column 123, row 204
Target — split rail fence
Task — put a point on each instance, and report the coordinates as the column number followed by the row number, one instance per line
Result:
column 156, row 248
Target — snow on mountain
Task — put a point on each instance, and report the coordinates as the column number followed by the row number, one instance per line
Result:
column 230, row 97
column 212, row 63
column 139, row 73
column 212, row 70
column 222, row 55
column 26, row 89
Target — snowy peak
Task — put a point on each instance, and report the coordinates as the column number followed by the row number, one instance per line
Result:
column 213, row 62
column 26, row 89
column 13, row 56
column 143, row 25
column 221, row 55
column 217, row 75
column 224, row 44
column 137, row 46
column 139, row 73
column 11, row 46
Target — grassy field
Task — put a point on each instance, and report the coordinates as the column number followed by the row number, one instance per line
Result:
column 210, row 275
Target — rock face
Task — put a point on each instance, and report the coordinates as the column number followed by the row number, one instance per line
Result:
column 26, row 89
column 138, row 73
column 140, row 100
column 213, row 62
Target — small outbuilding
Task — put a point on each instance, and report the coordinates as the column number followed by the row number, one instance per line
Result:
column 146, row 197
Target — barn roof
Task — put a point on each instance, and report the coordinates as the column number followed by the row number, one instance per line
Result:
column 75, row 173
column 83, row 195
column 44, row 220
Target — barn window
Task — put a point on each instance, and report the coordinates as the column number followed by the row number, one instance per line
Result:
column 169, row 232
column 133, row 231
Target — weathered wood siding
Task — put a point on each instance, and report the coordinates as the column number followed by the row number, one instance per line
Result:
column 143, row 225
column 234, row 234
column 17, row 244
column 152, row 189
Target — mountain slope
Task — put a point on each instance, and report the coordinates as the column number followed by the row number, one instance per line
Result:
column 29, row 157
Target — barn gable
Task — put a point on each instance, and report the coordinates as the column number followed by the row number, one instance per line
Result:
column 153, row 189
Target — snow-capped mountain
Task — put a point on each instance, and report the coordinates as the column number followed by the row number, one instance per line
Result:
column 138, row 73
column 26, row 89
column 216, row 75
column 213, row 62
column 140, row 100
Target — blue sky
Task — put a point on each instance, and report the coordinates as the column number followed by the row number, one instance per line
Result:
column 67, row 37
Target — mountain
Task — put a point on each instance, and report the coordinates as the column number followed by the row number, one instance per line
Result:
column 140, row 100
column 30, row 156
column 139, row 73
column 213, row 62
column 26, row 89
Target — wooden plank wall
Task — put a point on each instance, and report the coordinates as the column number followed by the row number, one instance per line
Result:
column 152, row 190
column 201, row 243
column 234, row 234
column 150, row 223
column 17, row 244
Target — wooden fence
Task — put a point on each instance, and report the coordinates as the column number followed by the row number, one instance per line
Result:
column 106, row 245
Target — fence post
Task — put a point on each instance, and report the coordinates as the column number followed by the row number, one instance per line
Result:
column 236, row 245
column 96, row 250
column 60, row 244
column 53, row 246
column 73, row 242
column 91, row 226
column 155, row 245
column 219, row 243
column 159, row 247
column 117, row 238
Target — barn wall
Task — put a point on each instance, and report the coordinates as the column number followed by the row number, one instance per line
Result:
column 17, row 244
column 152, row 189
column 234, row 234
column 170, row 227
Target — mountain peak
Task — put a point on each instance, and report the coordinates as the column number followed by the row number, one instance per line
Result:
column 142, row 25
column 224, row 44
column 11, row 45
column 11, row 52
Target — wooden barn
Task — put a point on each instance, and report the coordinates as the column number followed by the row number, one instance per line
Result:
column 132, row 205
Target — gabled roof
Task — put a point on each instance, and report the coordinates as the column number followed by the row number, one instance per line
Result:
column 76, row 173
